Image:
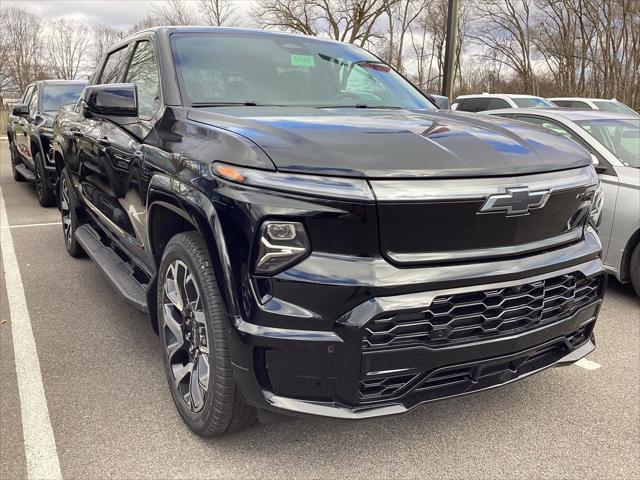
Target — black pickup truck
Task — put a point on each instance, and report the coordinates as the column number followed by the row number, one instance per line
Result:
column 310, row 235
column 29, row 131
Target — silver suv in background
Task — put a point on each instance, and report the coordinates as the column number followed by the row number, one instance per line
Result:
column 603, row 104
column 614, row 140
column 494, row 101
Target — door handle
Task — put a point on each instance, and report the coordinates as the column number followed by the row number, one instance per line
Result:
column 76, row 131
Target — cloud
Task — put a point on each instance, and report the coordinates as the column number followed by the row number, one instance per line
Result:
column 115, row 13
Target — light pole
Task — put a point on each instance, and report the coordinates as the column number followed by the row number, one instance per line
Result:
column 450, row 53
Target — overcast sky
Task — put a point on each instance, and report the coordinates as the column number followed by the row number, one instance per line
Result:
column 116, row 13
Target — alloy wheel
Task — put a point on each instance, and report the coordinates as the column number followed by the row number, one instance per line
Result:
column 185, row 335
column 65, row 211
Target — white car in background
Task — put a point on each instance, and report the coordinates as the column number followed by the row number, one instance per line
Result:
column 603, row 104
column 494, row 101
column 613, row 139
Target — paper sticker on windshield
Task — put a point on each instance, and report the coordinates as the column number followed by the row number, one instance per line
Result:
column 303, row 61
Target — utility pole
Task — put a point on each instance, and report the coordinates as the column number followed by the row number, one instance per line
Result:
column 450, row 53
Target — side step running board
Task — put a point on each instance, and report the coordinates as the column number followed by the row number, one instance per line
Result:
column 117, row 270
column 25, row 172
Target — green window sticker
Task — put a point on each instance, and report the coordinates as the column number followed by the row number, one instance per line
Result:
column 303, row 61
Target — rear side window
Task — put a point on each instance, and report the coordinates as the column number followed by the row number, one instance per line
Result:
column 143, row 71
column 474, row 105
column 115, row 66
column 616, row 107
column 496, row 103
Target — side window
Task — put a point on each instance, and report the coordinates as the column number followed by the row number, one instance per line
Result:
column 26, row 96
column 577, row 104
column 549, row 125
column 496, row 103
column 114, row 67
column 474, row 104
column 33, row 103
column 562, row 103
column 361, row 81
column 143, row 71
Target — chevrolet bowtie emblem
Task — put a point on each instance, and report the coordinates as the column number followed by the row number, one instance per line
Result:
column 517, row 201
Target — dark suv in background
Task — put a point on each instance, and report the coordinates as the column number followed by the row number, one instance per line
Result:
column 310, row 236
column 29, row 131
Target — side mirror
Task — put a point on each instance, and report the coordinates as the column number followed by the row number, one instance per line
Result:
column 596, row 164
column 111, row 100
column 441, row 101
column 20, row 110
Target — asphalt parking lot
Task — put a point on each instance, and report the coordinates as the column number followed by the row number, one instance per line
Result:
column 112, row 416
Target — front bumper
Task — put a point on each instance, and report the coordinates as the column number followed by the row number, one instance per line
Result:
column 475, row 383
column 359, row 369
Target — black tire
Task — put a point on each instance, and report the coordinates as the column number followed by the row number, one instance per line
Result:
column 15, row 160
column 69, row 214
column 44, row 190
column 218, row 407
column 634, row 269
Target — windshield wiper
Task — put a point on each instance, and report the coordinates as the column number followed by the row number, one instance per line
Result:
column 231, row 104
column 362, row 105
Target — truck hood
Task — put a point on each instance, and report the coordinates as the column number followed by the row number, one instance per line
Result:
column 377, row 143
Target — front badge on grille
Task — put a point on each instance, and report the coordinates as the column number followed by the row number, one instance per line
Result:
column 517, row 201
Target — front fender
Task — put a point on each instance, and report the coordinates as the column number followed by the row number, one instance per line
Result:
column 59, row 147
column 191, row 204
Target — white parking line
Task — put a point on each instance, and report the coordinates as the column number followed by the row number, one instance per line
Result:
column 587, row 364
column 39, row 442
column 32, row 225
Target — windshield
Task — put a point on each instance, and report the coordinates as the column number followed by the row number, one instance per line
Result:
column 532, row 102
column 616, row 107
column 54, row 96
column 224, row 69
column 620, row 136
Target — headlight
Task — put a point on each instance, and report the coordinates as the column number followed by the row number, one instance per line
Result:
column 595, row 214
column 312, row 185
column 281, row 245
column 46, row 130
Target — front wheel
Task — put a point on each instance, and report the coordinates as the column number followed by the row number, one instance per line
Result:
column 68, row 212
column 43, row 187
column 634, row 269
column 194, row 332
column 15, row 160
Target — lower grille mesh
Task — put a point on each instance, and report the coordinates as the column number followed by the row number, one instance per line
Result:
column 457, row 379
column 466, row 317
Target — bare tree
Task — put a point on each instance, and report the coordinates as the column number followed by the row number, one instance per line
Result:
column 23, row 47
column 104, row 37
column 401, row 15
column 218, row 12
column 5, row 53
column 68, row 45
column 504, row 28
column 353, row 21
column 147, row 22
column 174, row 12
column 428, row 37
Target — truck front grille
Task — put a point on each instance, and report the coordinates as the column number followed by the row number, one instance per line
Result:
column 474, row 316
